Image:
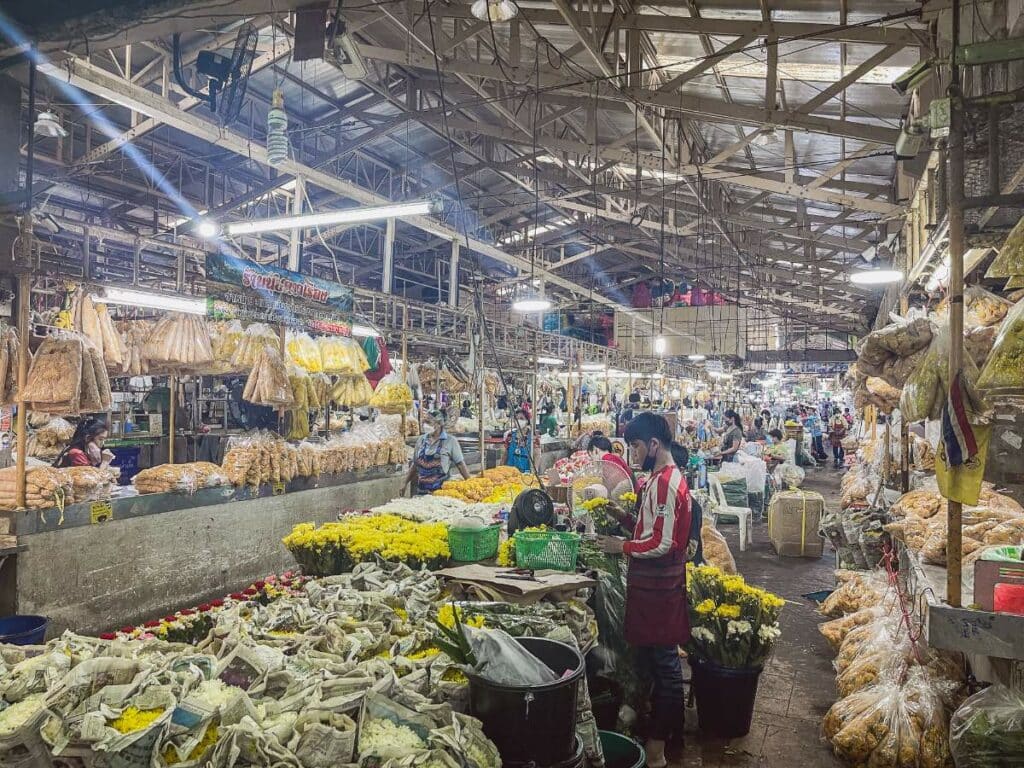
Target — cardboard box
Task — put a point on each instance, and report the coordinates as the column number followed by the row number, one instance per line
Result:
column 793, row 520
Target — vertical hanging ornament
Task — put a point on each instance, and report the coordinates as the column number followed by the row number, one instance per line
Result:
column 277, row 130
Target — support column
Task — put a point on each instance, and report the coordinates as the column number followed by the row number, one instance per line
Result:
column 453, row 276
column 389, row 257
column 954, row 520
column 295, row 241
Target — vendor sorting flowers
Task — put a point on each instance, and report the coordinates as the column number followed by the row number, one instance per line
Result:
column 656, row 614
column 436, row 452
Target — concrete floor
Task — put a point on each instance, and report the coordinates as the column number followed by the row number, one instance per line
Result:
column 798, row 684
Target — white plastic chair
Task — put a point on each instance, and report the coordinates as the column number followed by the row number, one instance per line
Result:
column 721, row 507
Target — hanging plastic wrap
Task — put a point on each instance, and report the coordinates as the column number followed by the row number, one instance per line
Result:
column 342, row 355
column 257, row 337
column 268, row 384
column 988, row 730
column 1010, row 260
column 1005, row 366
column 392, row 395
column 305, row 352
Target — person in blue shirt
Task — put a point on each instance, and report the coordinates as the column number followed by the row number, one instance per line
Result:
column 518, row 443
column 812, row 423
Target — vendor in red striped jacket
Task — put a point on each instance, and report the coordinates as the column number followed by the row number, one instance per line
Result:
column 656, row 615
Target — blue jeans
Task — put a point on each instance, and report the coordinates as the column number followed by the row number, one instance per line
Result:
column 660, row 663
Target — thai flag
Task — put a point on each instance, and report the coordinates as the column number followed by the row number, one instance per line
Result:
column 957, row 432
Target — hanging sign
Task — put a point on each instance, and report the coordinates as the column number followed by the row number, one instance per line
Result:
column 242, row 289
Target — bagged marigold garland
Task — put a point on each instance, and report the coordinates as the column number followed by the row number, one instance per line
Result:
column 337, row 547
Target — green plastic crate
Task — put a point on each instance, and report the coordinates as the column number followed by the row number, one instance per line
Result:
column 542, row 550
column 470, row 545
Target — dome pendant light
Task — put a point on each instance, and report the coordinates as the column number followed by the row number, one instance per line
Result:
column 876, row 276
column 494, row 10
column 47, row 125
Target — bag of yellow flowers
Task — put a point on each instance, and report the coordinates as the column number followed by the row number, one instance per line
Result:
column 891, row 724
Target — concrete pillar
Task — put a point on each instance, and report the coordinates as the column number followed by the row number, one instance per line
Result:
column 453, row 276
column 389, row 257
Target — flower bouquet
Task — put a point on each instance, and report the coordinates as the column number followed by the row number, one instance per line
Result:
column 600, row 512
column 733, row 627
column 335, row 548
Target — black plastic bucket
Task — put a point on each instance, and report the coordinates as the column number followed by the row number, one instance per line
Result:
column 533, row 724
column 725, row 698
column 621, row 751
column 23, row 630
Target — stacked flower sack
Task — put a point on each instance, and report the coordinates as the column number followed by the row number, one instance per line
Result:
column 340, row 669
column 897, row 695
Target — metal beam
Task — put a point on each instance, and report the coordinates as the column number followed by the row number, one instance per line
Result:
column 93, row 79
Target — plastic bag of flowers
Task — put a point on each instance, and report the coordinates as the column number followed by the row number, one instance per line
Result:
column 20, row 723
column 891, row 725
column 988, row 729
column 835, row 631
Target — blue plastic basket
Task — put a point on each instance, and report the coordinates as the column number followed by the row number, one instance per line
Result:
column 23, row 630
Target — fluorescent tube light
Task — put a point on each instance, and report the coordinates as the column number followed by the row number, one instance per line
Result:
column 696, row 358
column 188, row 304
column 531, row 304
column 660, row 345
column 550, row 361
column 592, row 367
column 876, row 276
column 330, row 218
column 364, row 331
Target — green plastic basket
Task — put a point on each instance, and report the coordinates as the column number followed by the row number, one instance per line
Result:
column 469, row 545
column 541, row 550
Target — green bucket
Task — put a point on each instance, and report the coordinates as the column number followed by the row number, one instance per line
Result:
column 621, row 751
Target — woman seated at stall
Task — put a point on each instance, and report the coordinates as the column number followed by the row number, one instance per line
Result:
column 86, row 446
column 600, row 448
column 436, row 452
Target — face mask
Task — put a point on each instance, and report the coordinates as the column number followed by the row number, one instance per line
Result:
column 648, row 464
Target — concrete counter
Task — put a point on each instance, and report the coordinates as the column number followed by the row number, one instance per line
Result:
column 106, row 566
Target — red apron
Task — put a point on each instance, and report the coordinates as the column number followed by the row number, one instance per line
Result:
column 656, row 611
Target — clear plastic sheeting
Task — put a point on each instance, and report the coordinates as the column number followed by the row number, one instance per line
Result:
column 988, row 730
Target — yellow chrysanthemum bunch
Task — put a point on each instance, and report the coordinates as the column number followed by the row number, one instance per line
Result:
column 363, row 537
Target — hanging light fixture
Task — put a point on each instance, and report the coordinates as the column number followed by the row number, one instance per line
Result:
column 277, row 130
column 532, row 302
column 47, row 125
column 494, row 10
column 660, row 345
column 696, row 358
column 876, row 276
column 767, row 137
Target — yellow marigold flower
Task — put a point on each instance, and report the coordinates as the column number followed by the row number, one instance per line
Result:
column 728, row 611
column 705, row 607
column 132, row 719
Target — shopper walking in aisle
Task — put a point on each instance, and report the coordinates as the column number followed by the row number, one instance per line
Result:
column 812, row 424
column 86, row 446
column 656, row 620
column 436, row 452
column 836, row 433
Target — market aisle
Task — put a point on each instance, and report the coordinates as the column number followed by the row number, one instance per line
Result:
column 798, row 685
